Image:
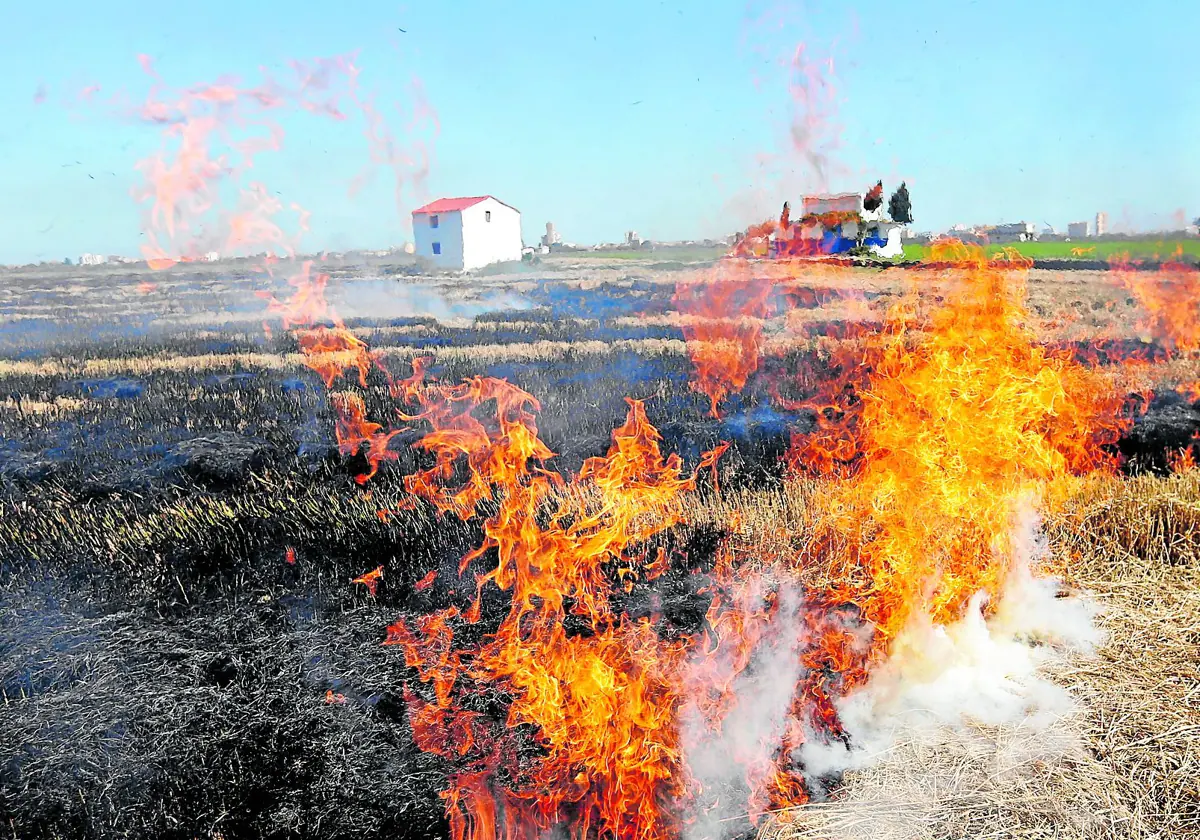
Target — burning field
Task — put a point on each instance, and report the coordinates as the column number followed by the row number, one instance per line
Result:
column 790, row 548
column 632, row 549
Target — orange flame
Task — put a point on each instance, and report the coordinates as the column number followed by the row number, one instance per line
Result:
column 938, row 438
column 1168, row 298
column 958, row 431
column 370, row 579
column 601, row 702
column 1190, row 391
column 1182, row 460
column 723, row 327
column 403, row 505
column 331, row 350
column 953, row 429
column 354, row 431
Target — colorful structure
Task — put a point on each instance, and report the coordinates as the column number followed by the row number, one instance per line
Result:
column 828, row 225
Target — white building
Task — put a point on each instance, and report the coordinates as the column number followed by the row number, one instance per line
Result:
column 1101, row 223
column 92, row 259
column 1077, row 230
column 462, row 234
column 815, row 205
column 1012, row 232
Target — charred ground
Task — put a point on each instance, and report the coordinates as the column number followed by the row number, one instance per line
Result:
column 167, row 672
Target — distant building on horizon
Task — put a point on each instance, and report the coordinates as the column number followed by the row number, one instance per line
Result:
column 1101, row 223
column 1077, row 230
column 1012, row 232
column 816, row 205
column 92, row 259
column 830, row 224
column 994, row 234
column 461, row 234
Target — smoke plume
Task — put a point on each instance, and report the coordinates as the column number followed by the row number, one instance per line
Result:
column 961, row 710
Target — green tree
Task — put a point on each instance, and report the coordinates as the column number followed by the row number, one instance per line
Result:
column 899, row 207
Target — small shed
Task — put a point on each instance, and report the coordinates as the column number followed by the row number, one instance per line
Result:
column 461, row 234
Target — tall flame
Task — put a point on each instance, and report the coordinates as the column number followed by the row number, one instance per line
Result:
column 597, row 702
column 958, row 427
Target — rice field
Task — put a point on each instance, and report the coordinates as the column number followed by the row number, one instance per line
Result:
column 1149, row 249
column 184, row 654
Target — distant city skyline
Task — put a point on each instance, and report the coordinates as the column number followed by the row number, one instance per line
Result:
column 661, row 118
column 531, row 240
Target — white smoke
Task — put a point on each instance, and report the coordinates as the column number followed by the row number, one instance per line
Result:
column 973, row 695
column 389, row 298
column 719, row 760
column 956, row 710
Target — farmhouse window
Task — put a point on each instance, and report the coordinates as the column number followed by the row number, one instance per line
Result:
column 437, row 246
column 433, row 220
column 487, row 215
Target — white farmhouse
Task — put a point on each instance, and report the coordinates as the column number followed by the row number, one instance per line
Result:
column 467, row 233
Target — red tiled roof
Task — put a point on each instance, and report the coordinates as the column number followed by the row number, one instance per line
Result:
column 449, row 205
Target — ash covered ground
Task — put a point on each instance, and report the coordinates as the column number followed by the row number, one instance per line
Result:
column 166, row 669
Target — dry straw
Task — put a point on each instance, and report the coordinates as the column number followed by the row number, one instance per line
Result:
column 1126, row 764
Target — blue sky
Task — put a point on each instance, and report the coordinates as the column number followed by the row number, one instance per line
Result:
column 1038, row 111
